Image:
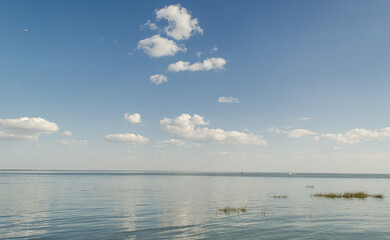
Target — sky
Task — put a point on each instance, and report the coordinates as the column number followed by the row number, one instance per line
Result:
column 255, row 86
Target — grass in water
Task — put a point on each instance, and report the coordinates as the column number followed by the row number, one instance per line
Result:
column 263, row 212
column 229, row 210
column 348, row 195
column 279, row 196
column 309, row 186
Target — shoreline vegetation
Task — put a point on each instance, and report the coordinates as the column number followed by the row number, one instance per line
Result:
column 348, row 195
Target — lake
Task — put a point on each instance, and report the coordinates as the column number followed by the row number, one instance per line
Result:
column 183, row 205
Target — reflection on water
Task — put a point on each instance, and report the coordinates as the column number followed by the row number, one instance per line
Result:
column 99, row 205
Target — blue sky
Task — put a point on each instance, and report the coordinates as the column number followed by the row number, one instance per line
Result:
column 296, row 86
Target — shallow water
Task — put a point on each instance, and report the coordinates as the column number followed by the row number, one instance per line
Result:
column 152, row 205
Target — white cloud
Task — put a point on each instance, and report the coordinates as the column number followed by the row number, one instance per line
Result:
column 67, row 133
column 190, row 127
column 297, row 133
column 228, row 100
column 72, row 142
column 171, row 142
column 199, row 54
column 181, row 25
column 276, row 130
column 126, row 138
column 158, row 78
column 208, row 64
column 294, row 133
column 150, row 25
column 304, row 118
column 215, row 48
column 133, row 118
column 25, row 129
column 356, row 135
column 157, row 46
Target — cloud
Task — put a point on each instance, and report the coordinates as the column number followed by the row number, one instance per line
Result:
column 150, row 25
column 276, row 130
column 126, row 138
column 228, row 100
column 356, row 135
column 208, row 64
column 297, row 133
column 158, row 78
column 171, row 142
column 133, row 118
column 304, row 118
column 181, row 24
column 157, row 46
column 67, row 133
column 215, row 48
column 72, row 142
column 25, row 129
column 189, row 127
column 199, row 54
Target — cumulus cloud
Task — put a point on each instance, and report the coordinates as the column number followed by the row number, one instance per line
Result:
column 150, row 25
column 126, row 138
column 171, row 142
column 25, row 129
column 133, row 118
column 158, row 78
column 158, row 46
column 72, row 142
column 180, row 23
column 207, row 65
column 228, row 100
column 297, row 133
column 192, row 128
column 356, row 135
column 67, row 133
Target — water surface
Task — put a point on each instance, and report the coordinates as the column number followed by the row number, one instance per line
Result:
column 173, row 205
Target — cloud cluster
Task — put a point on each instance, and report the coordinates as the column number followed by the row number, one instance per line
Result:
column 228, row 100
column 294, row 133
column 356, row 135
column 25, row 129
column 207, row 65
column 192, row 128
column 133, row 118
column 181, row 24
column 297, row 133
column 158, row 78
column 126, row 138
column 72, row 142
column 170, row 142
column 158, row 46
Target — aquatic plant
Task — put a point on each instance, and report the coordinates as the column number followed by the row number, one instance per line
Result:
column 229, row 210
column 309, row 186
column 263, row 212
column 279, row 196
column 348, row 195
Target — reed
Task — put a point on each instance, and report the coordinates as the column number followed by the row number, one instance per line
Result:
column 229, row 210
column 348, row 195
column 279, row 196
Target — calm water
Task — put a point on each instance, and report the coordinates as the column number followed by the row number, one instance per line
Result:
column 135, row 205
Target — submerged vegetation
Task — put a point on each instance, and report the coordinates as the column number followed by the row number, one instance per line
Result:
column 229, row 210
column 279, row 196
column 348, row 195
